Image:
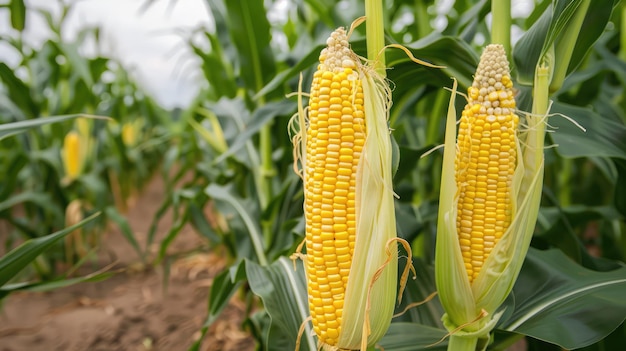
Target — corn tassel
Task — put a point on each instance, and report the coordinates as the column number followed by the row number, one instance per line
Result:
column 489, row 203
column 344, row 148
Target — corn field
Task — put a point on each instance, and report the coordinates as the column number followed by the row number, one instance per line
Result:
column 376, row 174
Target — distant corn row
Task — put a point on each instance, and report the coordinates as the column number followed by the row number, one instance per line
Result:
column 58, row 173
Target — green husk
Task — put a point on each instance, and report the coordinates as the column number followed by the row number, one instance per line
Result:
column 452, row 283
column 376, row 226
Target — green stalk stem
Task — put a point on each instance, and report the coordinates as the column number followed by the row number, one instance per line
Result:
column 564, row 47
column 501, row 24
column 565, row 181
column 375, row 34
column 421, row 19
column 267, row 166
column 622, row 46
column 541, row 103
column 267, row 172
column 462, row 343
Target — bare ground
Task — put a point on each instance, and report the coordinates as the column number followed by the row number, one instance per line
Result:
column 131, row 310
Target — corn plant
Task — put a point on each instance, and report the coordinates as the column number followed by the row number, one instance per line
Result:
column 60, row 173
column 13, row 262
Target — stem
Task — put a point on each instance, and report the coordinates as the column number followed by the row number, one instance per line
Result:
column 540, row 107
column 375, row 34
column 421, row 19
column 501, row 24
column 622, row 46
column 267, row 166
column 462, row 343
column 564, row 47
column 267, row 172
column 565, row 179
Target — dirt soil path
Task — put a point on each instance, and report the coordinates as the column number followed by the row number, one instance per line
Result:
column 131, row 310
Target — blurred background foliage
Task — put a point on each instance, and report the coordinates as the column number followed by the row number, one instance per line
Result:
column 54, row 174
column 228, row 165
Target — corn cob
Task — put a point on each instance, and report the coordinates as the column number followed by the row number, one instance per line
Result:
column 335, row 139
column 129, row 134
column 72, row 157
column 489, row 202
column 345, row 151
column 486, row 160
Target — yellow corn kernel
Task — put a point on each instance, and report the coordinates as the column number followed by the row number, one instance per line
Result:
column 486, row 160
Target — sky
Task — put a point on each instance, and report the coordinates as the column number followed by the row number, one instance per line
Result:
column 149, row 43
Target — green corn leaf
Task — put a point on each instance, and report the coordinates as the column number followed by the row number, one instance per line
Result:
column 13, row 128
column 14, row 261
column 549, row 28
column 457, row 56
column 172, row 233
column 79, row 64
column 558, row 301
column 216, row 67
column 471, row 13
column 413, row 336
column 38, row 198
column 224, row 286
column 261, row 117
column 250, row 33
column 200, row 223
column 308, row 60
column 596, row 19
column 560, row 226
column 284, row 295
column 53, row 284
column 18, row 14
column 602, row 137
column 122, row 223
column 221, row 193
column 18, row 92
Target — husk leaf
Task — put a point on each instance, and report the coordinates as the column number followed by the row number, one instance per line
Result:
column 453, row 286
column 376, row 225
